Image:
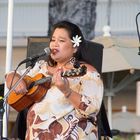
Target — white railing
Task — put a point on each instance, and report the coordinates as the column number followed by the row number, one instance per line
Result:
column 30, row 17
column 122, row 17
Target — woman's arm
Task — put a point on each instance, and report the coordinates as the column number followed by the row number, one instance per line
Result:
column 90, row 97
column 11, row 78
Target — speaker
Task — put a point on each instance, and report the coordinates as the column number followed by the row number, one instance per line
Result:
column 36, row 46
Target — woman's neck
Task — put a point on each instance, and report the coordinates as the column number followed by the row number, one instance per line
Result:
column 66, row 64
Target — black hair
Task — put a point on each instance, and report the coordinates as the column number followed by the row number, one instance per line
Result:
column 73, row 30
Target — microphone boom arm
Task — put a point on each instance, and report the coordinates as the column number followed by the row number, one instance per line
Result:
column 15, row 85
column 138, row 30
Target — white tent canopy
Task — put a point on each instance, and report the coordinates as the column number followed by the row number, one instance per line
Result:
column 119, row 53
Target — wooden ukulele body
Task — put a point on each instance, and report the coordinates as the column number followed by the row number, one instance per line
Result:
column 35, row 94
column 37, row 88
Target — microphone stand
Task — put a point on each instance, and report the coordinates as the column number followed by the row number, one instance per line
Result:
column 3, row 101
column 138, row 30
column 1, row 117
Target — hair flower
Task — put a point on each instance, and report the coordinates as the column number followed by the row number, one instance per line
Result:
column 76, row 40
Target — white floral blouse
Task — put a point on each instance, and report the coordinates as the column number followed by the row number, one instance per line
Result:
column 55, row 118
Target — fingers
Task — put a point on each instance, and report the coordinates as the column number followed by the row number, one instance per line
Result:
column 21, row 88
column 20, row 91
column 59, row 81
column 57, row 76
column 65, row 80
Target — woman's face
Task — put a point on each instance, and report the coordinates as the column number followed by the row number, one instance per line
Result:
column 61, row 46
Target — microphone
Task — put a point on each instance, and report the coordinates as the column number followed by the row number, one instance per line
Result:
column 35, row 57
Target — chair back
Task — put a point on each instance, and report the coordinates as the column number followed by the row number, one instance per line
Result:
column 36, row 45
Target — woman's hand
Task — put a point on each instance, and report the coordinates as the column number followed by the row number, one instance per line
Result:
column 62, row 83
column 21, row 87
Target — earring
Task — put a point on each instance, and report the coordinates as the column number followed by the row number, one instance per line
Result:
column 74, row 62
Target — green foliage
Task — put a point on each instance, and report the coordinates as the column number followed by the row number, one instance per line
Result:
column 124, row 137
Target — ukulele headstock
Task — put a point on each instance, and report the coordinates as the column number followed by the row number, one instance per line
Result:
column 75, row 72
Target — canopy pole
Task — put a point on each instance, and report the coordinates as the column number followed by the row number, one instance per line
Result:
column 109, row 104
column 8, row 61
column 137, row 137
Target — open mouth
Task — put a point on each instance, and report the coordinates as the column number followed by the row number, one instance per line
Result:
column 54, row 51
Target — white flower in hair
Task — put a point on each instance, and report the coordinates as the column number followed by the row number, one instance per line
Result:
column 76, row 40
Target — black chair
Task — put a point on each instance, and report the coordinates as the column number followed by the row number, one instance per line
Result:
column 2, row 89
column 92, row 53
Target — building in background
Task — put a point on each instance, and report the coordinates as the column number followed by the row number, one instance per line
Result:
column 31, row 18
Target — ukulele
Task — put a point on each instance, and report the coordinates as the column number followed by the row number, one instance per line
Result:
column 37, row 88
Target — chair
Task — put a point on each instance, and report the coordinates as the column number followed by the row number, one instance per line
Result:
column 2, row 89
column 36, row 45
column 92, row 54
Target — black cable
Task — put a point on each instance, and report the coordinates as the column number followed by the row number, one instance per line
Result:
column 138, row 31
